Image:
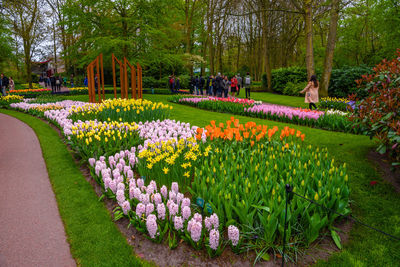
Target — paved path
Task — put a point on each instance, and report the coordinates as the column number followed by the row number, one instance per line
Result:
column 31, row 230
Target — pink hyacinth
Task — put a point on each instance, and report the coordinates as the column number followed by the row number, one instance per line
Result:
column 151, row 225
column 179, row 198
column 175, row 187
column 178, row 223
column 233, row 234
column 120, row 196
column 186, row 212
column 208, row 223
column 172, row 195
column 195, row 231
column 185, row 202
column 132, row 183
column 164, row 191
column 149, row 209
column 107, row 182
column 197, row 217
column 121, row 186
column 157, row 198
column 214, row 221
column 131, row 193
column 150, row 189
column 137, row 193
column 145, row 198
column 154, row 184
column 161, row 211
column 126, row 207
column 173, row 209
column 113, row 186
column 140, row 183
column 140, row 209
column 92, row 161
column 126, row 169
column 214, row 239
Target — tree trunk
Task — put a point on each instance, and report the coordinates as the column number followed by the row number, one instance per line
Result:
column 309, row 38
column 55, row 48
column 330, row 48
column 267, row 67
column 28, row 66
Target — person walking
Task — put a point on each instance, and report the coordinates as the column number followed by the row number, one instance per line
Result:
column 2, row 85
column 311, row 92
column 196, row 85
column 177, row 84
column 72, row 81
column 227, row 84
column 58, row 83
column 11, row 84
column 191, row 84
column 247, row 84
column 239, row 83
column 234, row 83
column 201, row 84
column 220, row 84
column 85, row 82
column 53, row 83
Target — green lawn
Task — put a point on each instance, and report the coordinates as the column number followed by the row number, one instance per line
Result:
column 376, row 205
column 292, row 101
column 94, row 238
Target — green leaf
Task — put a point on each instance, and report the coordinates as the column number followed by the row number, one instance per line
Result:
column 336, row 239
column 267, row 209
column 265, row 257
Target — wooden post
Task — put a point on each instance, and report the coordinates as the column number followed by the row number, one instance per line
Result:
column 98, row 79
column 114, row 77
column 102, row 76
column 125, row 79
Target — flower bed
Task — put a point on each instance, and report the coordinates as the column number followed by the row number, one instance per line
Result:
column 313, row 118
column 227, row 180
column 334, row 103
column 30, row 92
column 5, row 101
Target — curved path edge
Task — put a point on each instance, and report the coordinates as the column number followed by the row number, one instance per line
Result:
column 31, row 232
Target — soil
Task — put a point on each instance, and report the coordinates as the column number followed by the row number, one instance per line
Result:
column 383, row 167
column 185, row 255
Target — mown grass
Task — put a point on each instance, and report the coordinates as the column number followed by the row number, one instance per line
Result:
column 93, row 237
column 376, row 205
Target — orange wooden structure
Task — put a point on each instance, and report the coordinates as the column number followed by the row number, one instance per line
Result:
column 136, row 79
column 98, row 64
column 135, row 84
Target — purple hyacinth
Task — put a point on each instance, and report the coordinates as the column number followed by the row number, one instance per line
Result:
column 197, row 217
column 172, row 195
column 208, row 224
column 178, row 223
column 154, row 184
column 173, row 209
column 113, row 186
column 161, row 211
column 186, row 212
column 137, row 193
column 185, row 202
column 164, row 191
column 150, row 189
column 131, row 193
column 120, row 196
column 140, row 183
column 92, row 161
column 157, row 198
column 151, row 225
column 126, row 207
column 121, row 186
column 195, row 231
column 149, row 209
column 179, row 198
column 214, row 221
column 233, row 234
column 140, row 209
column 145, row 198
column 175, row 187
column 214, row 239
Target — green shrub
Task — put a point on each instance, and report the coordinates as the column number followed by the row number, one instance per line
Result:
column 342, row 83
column 294, row 88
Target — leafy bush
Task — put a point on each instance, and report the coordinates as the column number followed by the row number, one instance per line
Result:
column 342, row 83
column 294, row 88
column 379, row 112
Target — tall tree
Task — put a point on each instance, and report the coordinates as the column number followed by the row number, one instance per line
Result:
column 330, row 48
column 27, row 22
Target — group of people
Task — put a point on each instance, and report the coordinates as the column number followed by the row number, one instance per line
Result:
column 220, row 85
column 6, row 84
column 55, row 82
column 174, row 83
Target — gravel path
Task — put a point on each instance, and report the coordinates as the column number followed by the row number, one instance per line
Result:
column 31, row 230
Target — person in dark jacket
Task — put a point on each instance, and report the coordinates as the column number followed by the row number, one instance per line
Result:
column 53, row 84
column 220, row 85
column 201, row 84
column 58, row 84
column 177, row 84
column 192, row 85
column 4, row 84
